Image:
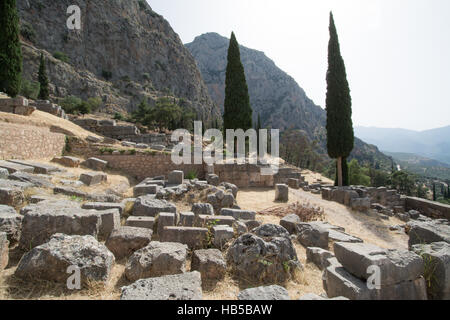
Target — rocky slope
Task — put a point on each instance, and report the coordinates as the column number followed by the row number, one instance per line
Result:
column 276, row 96
column 123, row 52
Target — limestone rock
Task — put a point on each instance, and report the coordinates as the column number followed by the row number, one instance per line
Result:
column 269, row 293
column 51, row 260
column 210, row 263
column 4, row 251
column 123, row 242
column 157, row 259
column 10, row 223
column 290, row 223
column 151, row 207
column 186, row 286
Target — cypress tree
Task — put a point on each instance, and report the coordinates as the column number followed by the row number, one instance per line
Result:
column 340, row 136
column 258, row 127
column 10, row 49
column 238, row 112
column 345, row 174
column 434, row 192
column 43, row 80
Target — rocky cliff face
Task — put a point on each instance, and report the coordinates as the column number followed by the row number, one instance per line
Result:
column 276, row 96
column 273, row 94
column 123, row 52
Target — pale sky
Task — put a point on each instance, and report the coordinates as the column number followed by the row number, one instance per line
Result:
column 397, row 52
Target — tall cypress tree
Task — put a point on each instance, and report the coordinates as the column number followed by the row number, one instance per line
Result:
column 10, row 49
column 340, row 136
column 238, row 112
column 258, row 127
column 43, row 80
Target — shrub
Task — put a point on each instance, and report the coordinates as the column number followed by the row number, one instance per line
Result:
column 61, row 56
column 29, row 89
column 27, row 31
column 93, row 104
column 191, row 175
column 146, row 76
column 118, row 116
column 106, row 74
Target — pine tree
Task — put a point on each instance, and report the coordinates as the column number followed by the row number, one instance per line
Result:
column 43, row 80
column 238, row 112
column 10, row 49
column 340, row 136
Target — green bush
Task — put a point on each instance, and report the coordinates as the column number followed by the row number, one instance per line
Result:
column 106, row 74
column 29, row 89
column 27, row 31
column 146, row 76
column 61, row 56
column 75, row 105
column 191, row 175
column 93, row 104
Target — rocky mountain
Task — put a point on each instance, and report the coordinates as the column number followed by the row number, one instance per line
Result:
column 123, row 52
column 273, row 94
column 434, row 144
column 276, row 96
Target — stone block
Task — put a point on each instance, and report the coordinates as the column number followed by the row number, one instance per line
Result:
column 141, row 222
column 193, row 237
column 176, row 177
column 93, row 178
column 281, row 193
column 238, row 214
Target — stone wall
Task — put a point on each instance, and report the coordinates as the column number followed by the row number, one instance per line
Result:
column 29, row 142
column 428, row 208
column 141, row 166
column 243, row 176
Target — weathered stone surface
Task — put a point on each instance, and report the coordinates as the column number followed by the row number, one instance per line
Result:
column 239, row 227
column 269, row 293
column 229, row 186
column 213, row 179
column 396, row 266
column 11, row 197
column 251, row 224
column 310, row 235
column 281, row 192
column 258, row 260
column 104, row 206
column 313, row 296
column 123, row 242
column 71, row 162
column 156, row 260
column 428, row 232
column 3, row 173
column 338, row 195
column 211, row 265
column 349, row 196
column 15, row 167
column 151, row 207
column 271, row 230
column 205, row 220
column 110, row 220
column 360, row 204
column 93, row 178
column 176, row 177
column 293, row 183
column 338, row 236
column 51, row 260
column 186, row 286
column 164, row 219
column 46, row 218
column 436, row 258
column 290, row 223
column 187, row 219
column 193, row 237
column 326, row 194
column 33, row 179
column 202, row 209
column 318, row 256
column 4, row 251
column 238, row 214
column 145, row 189
column 10, row 223
column 227, row 201
column 141, row 222
column 222, row 234
column 95, row 164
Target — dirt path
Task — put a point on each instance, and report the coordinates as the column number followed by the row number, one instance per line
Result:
column 370, row 228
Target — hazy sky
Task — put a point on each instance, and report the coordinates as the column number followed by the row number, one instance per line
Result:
column 397, row 52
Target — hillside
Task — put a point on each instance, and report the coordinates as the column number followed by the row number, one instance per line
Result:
column 123, row 53
column 276, row 96
column 433, row 144
column 422, row 166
